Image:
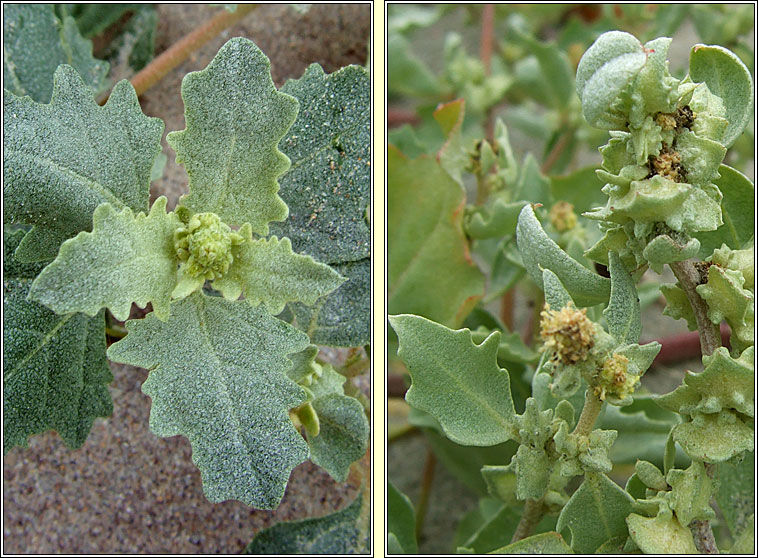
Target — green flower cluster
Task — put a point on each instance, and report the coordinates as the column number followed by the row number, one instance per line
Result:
column 660, row 163
column 204, row 246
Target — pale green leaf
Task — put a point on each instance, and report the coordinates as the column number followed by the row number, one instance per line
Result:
column 532, row 185
column 715, row 437
column 55, row 373
column 623, row 311
column 430, row 271
column 337, row 533
column 736, row 492
column 737, row 211
column 556, row 69
column 727, row 77
column 328, row 186
column 691, row 493
column 456, row 381
column 235, row 119
column 497, row 218
column 543, row 543
column 407, row 74
column 452, row 156
column 218, row 376
column 595, row 513
column 660, row 535
column 342, row 318
column 304, row 364
column 604, row 71
column 53, row 170
column 555, row 294
column 343, row 434
column 501, row 482
column 268, row 271
column 125, row 259
column 540, row 252
column 35, row 43
column 401, row 519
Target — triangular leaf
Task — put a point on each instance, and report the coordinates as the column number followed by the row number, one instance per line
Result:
column 235, row 119
column 595, row 513
column 55, row 373
column 125, row 259
column 343, row 434
column 342, row 318
column 36, row 43
column 268, row 271
column 328, row 186
column 456, row 381
column 218, row 377
column 53, row 166
column 336, row 534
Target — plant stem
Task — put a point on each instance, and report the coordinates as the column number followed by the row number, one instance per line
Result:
column 426, row 489
column 180, row 51
column 529, row 519
column 689, row 278
column 556, row 151
column 506, row 309
column 590, row 411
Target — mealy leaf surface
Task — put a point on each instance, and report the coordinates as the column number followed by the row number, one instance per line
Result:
column 218, row 376
column 623, row 310
column 268, row 271
column 456, row 381
column 55, row 373
column 36, row 43
column 235, row 119
column 125, row 259
column 64, row 159
column 336, row 534
column 328, row 186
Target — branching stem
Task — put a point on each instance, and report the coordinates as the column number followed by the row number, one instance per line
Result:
column 590, row 411
column 529, row 519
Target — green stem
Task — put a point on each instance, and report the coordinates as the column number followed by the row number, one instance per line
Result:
column 590, row 411
column 529, row 519
column 180, row 51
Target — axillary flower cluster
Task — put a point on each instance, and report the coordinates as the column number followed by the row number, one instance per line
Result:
column 580, row 348
column 663, row 155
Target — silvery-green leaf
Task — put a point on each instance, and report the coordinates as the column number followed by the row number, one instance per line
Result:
column 691, row 493
column 660, row 535
column 456, row 381
column 728, row 299
column 603, row 72
column 125, row 259
column 497, row 218
column 343, row 434
column 235, row 119
column 303, row 364
column 595, row 513
column 540, row 252
column 555, row 293
column 327, row 188
column 218, row 376
column 623, row 310
column 268, row 271
column 55, row 373
column 342, row 532
column 36, row 43
column 342, row 318
column 727, row 77
column 53, row 170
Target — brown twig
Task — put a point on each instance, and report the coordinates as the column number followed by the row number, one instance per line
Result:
column 506, row 309
column 556, row 151
column 689, row 278
column 180, row 51
column 529, row 519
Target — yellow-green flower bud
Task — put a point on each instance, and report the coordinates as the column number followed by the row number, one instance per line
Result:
column 204, row 246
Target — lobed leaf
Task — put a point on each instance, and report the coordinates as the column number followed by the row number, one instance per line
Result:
column 53, row 170
column 218, row 376
column 343, row 435
column 595, row 513
column 612, row 61
column 430, row 271
column 540, row 252
column 36, row 43
column 456, row 381
column 623, row 310
column 343, row 317
column 268, row 271
column 235, row 120
column 691, row 493
column 660, row 535
column 328, row 186
column 727, row 77
column 125, row 259
column 55, row 373
column 336, row 534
